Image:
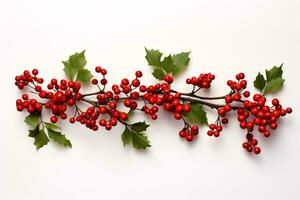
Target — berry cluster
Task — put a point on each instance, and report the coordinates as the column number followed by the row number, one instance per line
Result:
column 202, row 81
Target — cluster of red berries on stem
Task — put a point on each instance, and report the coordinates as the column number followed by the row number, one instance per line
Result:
column 112, row 106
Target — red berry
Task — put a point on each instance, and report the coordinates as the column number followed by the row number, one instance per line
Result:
column 138, row 74
column 53, row 119
column 289, row 110
column 194, row 130
column 123, row 116
column 275, row 102
column 168, row 78
column 98, row 69
column 257, row 150
column 72, row 120
column 35, row 72
column 94, row 81
column 189, row 138
column 182, row 133
column 25, row 96
column 186, row 107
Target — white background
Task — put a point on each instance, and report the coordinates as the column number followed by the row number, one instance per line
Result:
column 225, row 37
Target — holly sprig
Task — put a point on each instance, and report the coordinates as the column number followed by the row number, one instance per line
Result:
column 188, row 107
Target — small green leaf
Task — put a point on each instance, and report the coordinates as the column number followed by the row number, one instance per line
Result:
column 84, row 76
column 41, row 139
column 181, row 61
column 274, row 80
column 126, row 136
column 158, row 73
column 167, row 64
column 133, row 134
column 140, row 141
column 153, row 57
column 33, row 119
column 70, row 73
column 34, row 132
column 274, row 85
column 274, row 73
column 139, row 126
column 52, row 126
column 58, row 137
column 197, row 114
column 75, row 63
column 260, row 82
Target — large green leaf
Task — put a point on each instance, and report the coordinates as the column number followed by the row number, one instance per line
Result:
column 197, row 114
column 58, row 137
column 74, row 68
column 274, row 85
column 153, row 57
column 33, row 119
column 84, row 76
column 133, row 134
column 274, row 73
column 273, row 82
column 181, row 61
column 41, row 139
column 260, row 82
column 158, row 73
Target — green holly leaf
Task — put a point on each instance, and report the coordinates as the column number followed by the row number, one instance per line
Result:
column 52, row 126
column 181, row 61
column 126, row 136
column 274, row 80
column 133, row 134
column 274, row 73
column 153, row 57
column 74, row 67
column 158, row 73
column 140, row 141
column 58, row 137
column 274, row 85
column 70, row 73
column 171, row 64
column 139, row 126
column 260, row 82
column 167, row 64
column 197, row 114
column 33, row 119
column 84, row 76
column 40, row 139
column 34, row 132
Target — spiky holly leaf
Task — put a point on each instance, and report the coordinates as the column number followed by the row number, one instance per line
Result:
column 158, row 73
column 84, row 76
column 126, row 136
column 33, row 119
column 197, row 114
column 140, row 141
column 74, row 68
column 140, row 126
column 171, row 64
column 58, row 137
column 274, row 85
column 260, row 82
column 274, row 73
column 167, row 64
column 181, row 61
column 34, row 132
column 153, row 57
column 40, row 139
column 133, row 134
column 52, row 126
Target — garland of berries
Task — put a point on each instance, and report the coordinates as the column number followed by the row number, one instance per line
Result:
column 109, row 107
